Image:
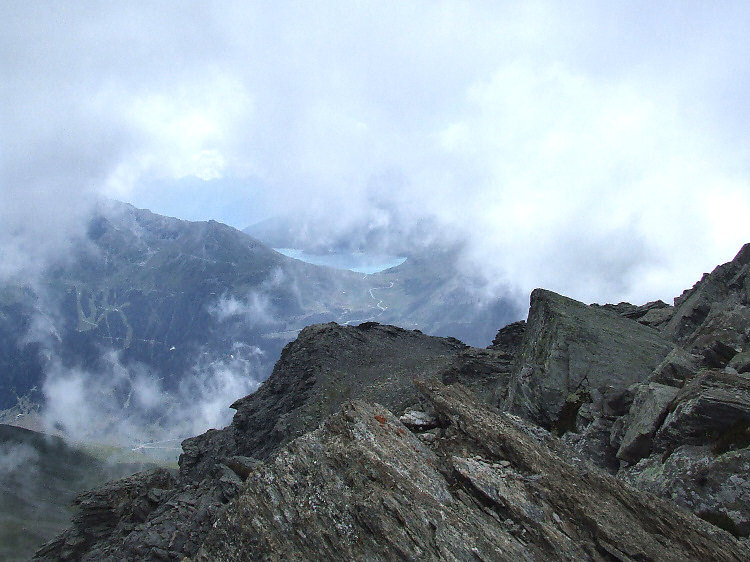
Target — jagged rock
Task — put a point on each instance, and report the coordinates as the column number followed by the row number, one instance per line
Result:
column 508, row 339
column 714, row 407
column 646, row 416
column 242, row 466
column 616, row 401
column 418, row 420
column 717, row 354
column 617, row 432
column 486, row 491
column 740, row 363
column 592, row 442
column 113, row 510
column 677, row 368
column 716, row 488
column 569, row 349
column 655, row 314
column 716, row 308
column 325, row 366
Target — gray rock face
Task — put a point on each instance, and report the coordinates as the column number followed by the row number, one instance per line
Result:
column 715, row 487
column 110, row 511
column 677, row 368
column 740, row 363
column 646, row 416
column 716, row 308
column 486, row 371
column 711, row 407
column 655, row 314
column 362, row 487
column 325, row 366
column 570, row 349
column 508, row 339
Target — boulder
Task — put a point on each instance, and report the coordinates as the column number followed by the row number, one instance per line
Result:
column 568, row 350
column 677, row 368
column 714, row 407
column 646, row 415
column 740, row 363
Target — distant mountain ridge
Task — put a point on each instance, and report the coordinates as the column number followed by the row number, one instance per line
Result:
column 172, row 296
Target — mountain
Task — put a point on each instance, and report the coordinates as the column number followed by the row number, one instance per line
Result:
column 433, row 291
column 587, row 432
column 169, row 300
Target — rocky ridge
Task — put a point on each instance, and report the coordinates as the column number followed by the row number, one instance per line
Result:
column 355, row 449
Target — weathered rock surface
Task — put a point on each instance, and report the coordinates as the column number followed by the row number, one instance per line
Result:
column 716, row 308
column 677, row 368
column 486, row 371
column 508, row 339
column 713, row 407
column 325, row 366
column 655, row 314
column 364, row 488
column 570, row 349
column 646, row 415
column 714, row 487
column 110, row 512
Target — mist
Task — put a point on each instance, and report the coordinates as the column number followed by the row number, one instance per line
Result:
column 128, row 405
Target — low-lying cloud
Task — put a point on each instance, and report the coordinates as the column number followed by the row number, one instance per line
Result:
column 129, row 405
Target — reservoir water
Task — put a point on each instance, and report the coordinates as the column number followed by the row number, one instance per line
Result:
column 354, row 261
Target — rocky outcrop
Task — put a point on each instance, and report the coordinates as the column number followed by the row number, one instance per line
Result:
column 362, row 487
column 570, row 350
column 649, row 408
column 508, row 339
column 339, row 454
column 325, row 366
column 714, row 487
column 716, row 308
column 654, row 314
column 713, row 407
column 109, row 513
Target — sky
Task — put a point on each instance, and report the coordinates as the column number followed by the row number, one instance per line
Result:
column 595, row 149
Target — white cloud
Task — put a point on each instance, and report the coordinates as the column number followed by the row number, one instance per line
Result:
column 597, row 149
column 130, row 406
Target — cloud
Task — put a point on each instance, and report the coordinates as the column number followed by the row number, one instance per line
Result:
column 255, row 309
column 129, row 405
column 597, row 150
column 18, row 458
